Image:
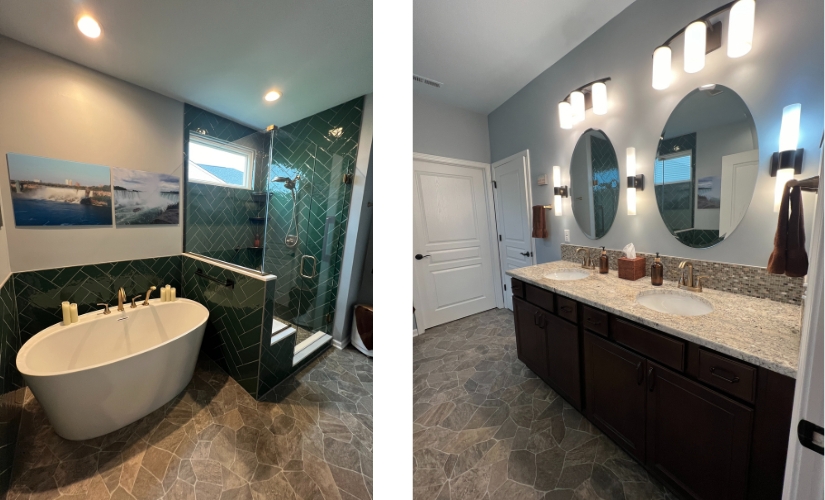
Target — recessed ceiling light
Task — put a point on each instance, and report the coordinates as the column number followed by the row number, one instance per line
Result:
column 272, row 96
column 88, row 27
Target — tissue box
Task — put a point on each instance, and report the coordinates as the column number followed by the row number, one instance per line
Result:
column 631, row 269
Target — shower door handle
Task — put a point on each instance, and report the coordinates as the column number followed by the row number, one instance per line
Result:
column 314, row 266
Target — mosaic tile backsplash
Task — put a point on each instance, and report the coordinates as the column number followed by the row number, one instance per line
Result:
column 39, row 293
column 752, row 281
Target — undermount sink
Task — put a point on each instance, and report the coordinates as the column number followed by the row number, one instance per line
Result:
column 675, row 302
column 567, row 274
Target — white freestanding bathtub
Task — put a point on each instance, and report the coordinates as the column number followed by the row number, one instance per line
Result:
column 106, row 371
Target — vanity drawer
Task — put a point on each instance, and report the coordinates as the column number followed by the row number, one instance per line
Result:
column 594, row 320
column 670, row 352
column 539, row 297
column 727, row 375
column 566, row 308
column 517, row 287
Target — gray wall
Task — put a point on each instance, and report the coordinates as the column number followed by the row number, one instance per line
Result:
column 443, row 130
column 785, row 66
column 57, row 109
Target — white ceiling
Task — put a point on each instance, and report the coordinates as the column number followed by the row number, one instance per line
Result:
column 484, row 51
column 222, row 55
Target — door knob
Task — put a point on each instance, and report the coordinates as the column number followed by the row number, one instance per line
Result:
column 418, row 256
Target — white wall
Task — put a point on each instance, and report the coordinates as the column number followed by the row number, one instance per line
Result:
column 53, row 108
column 443, row 130
column 784, row 67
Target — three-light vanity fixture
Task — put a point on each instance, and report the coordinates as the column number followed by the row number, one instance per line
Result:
column 559, row 191
column 703, row 37
column 787, row 162
column 572, row 108
column 634, row 181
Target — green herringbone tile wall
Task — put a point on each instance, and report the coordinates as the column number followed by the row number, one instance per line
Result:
column 236, row 319
column 11, row 402
column 40, row 293
column 321, row 149
column 216, row 221
column 605, row 168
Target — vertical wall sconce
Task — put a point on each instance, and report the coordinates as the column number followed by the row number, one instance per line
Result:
column 703, row 37
column 572, row 108
column 634, row 181
column 565, row 115
column 559, row 191
column 787, row 162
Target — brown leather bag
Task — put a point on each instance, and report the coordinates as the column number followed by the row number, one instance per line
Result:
column 363, row 321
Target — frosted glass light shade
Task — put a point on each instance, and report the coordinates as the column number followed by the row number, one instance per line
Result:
column 599, row 95
column 789, row 132
column 557, row 206
column 565, row 115
column 631, row 162
column 631, row 201
column 661, row 68
column 740, row 28
column 577, row 104
column 695, row 39
column 783, row 175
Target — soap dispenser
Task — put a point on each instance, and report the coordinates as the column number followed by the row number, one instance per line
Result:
column 604, row 264
column 657, row 271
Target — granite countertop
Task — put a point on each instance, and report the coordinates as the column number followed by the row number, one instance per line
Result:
column 759, row 331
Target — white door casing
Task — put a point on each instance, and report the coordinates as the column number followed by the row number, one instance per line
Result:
column 739, row 173
column 513, row 217
column 453, row 223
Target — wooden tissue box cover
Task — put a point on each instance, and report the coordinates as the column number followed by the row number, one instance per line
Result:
column 631, row 269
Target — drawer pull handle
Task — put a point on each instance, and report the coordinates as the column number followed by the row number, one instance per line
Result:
column 733, row 379
column 640, row 374
column 567, row 309
column 650, row 379
column 536, row 318
column 594, row 323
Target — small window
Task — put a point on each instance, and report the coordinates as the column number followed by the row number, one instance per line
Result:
column 212, row 161
column 673, row 169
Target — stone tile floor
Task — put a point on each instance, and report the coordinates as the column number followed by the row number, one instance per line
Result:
column 310, row 438
column 487, row 428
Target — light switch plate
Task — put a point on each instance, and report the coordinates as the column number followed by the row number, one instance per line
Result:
column 567, row 236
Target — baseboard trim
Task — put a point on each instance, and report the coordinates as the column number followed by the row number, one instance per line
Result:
column 340, row 344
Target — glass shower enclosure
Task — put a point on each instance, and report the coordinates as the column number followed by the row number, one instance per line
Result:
column 276, row 204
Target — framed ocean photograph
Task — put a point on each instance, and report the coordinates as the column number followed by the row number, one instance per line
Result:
column 709, row 192
column 145, row 197
column 49, row 192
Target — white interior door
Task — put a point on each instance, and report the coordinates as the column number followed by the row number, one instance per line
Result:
column 803, row 468
column 513, row 218
column 453, row 267
column 739, row 172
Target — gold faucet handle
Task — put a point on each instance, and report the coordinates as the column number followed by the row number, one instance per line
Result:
column 699, row 281
column 105, row 308
column 134, row 305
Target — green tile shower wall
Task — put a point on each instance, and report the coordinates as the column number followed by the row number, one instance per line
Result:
column 40, row 293
column 320, row 148
column 676, row 200
column 11, row 400
column 236, row 319
column 217, row 218
column 605, row 167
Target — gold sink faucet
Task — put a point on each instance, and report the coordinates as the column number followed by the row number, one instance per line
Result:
column 587, row 262
column 689, row 282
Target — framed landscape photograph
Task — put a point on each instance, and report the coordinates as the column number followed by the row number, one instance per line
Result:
column 49, row 192
column 145, row 197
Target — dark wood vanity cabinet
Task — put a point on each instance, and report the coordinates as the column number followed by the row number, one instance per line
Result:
column 709, row 425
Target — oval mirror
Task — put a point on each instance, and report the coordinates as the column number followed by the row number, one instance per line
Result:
column 706, row 166
column 594, row 183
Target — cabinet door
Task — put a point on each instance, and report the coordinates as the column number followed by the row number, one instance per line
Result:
column 614, row 381
column 563, row 368
column 531, row 342
column 697, row 437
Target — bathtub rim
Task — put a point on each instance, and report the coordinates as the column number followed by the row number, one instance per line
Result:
column 22, row 366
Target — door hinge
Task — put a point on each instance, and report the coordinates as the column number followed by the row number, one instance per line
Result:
column 328, row 318
column 347, row 179
column 505, row 288
column 495, row 186
column 499, row 237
